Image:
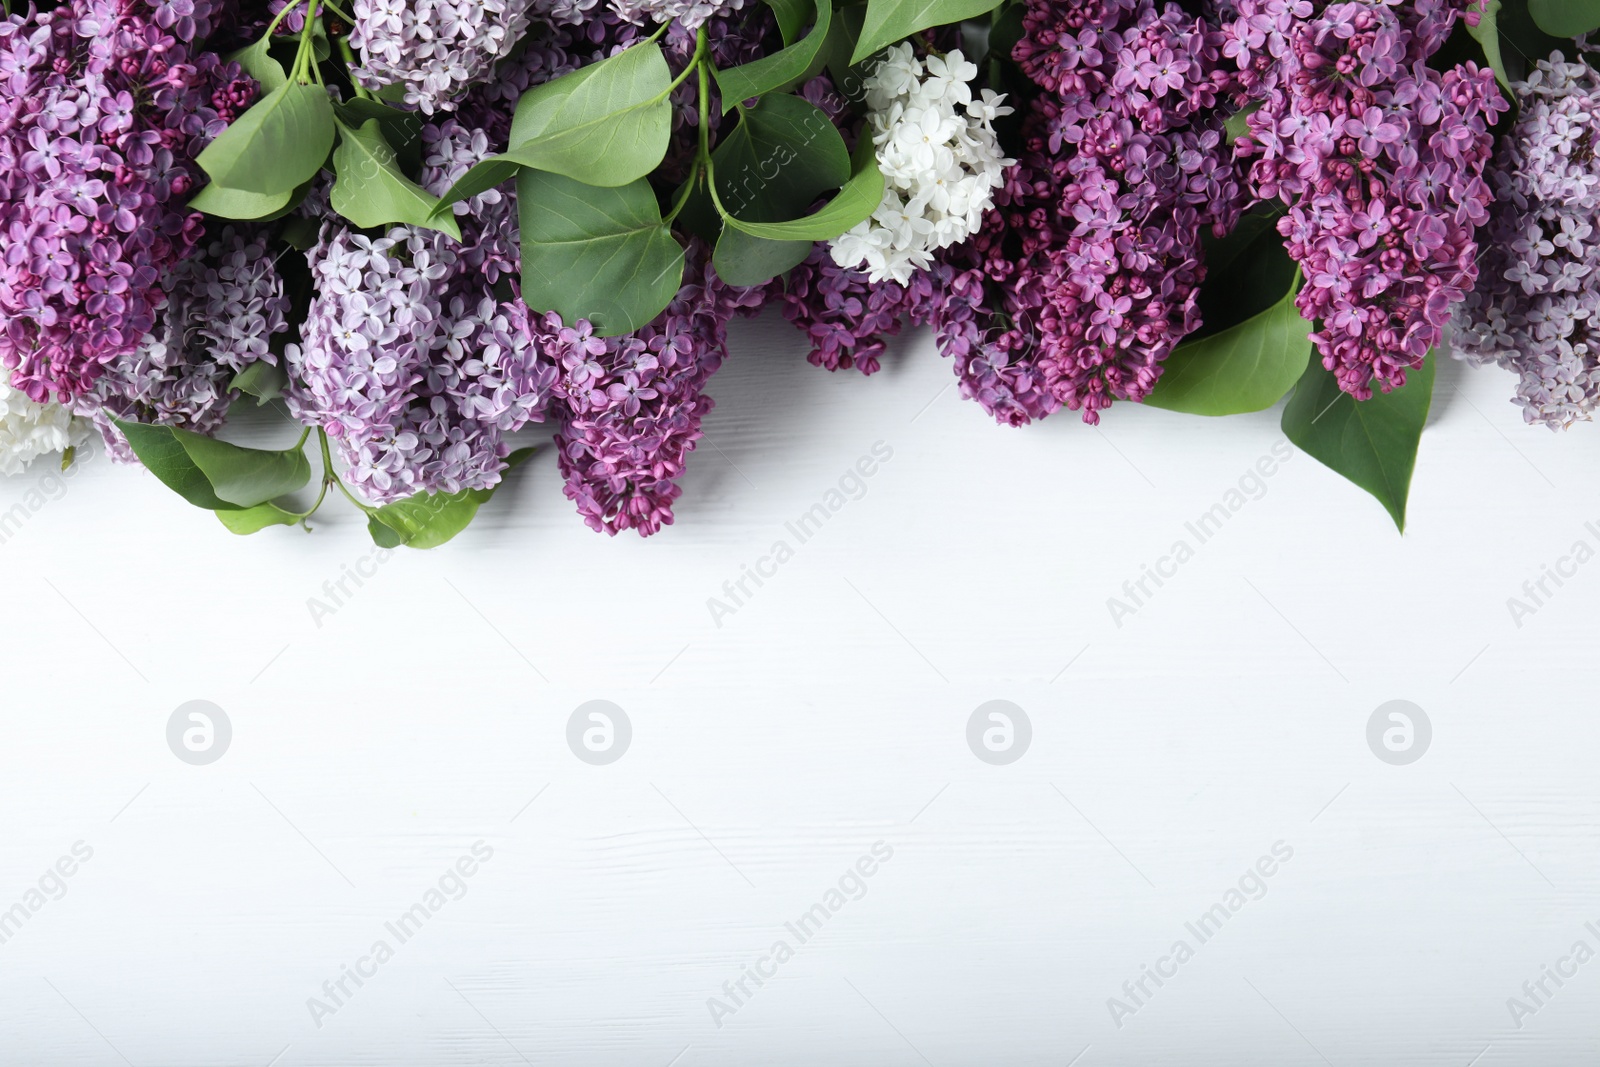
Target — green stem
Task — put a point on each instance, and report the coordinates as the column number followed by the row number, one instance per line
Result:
column 305, row 58
column 696, row 62
column 349, row 56
column 273, row 25
column 683, row 195
column 330, row 478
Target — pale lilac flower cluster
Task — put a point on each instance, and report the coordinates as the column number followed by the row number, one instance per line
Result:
column 1380, row 162
column 690, row 14
column 103, row 107
column 631, row 406
column 1536, row 310
column 409, row 357
column 940, row 160
column 220, row 309
column 434, row 49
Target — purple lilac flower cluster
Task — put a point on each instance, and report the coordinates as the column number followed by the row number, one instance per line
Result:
column 1087, row 274
column 220, row 309
column 632, row 405
column 1380, row 162
column 418, row 358
column 105, row 105
column 434, row 49
column 1536, row 310
column 409, row 358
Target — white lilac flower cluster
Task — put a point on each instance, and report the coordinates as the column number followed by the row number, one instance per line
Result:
column 1536, row 309
column 435, row 49
column 940, row 159
column 29, row 430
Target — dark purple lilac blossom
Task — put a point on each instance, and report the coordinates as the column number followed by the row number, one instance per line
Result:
column 631, row 406
column 1380, row 161
column 1088, row 271
column 103, row 106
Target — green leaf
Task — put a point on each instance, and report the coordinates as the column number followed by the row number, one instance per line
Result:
column 1248, row 367
column 780, row 69
column 1247, row 273
column 1238, row 123
column 258, row 518
column 1565, row 18
column 601, row 254
column 301, row 233
column 791, row 15
column 260, row 65
column 784, row 154
column 279, row 143
column 166, row 458
column 402, row 129
column 888, row 21
column 262, row 380
column 606, row 124
column 227, row 203
column 371, row 191
column 428, row 520
column 1006, row 30
column 1372, row 442
column 383, row 536
column 1487, row 33
column 859, row 197
column 245, row 477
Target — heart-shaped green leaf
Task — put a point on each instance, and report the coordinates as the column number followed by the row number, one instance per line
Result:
column 262, row 380
column 888, row 21
column 1565, row 18
column 601, row 254
column 227, row 203
column 606, row 124
column 1248, row 367
column 166, row 458
column 857, row 199
column 428, row 520
column 781, row 69
column 279, row 143
column 784, row 154
column 242, row 476
column 256, row 519
column 1371, row 442
column 371, row 191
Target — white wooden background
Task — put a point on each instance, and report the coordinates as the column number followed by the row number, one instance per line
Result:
column 829, row 713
